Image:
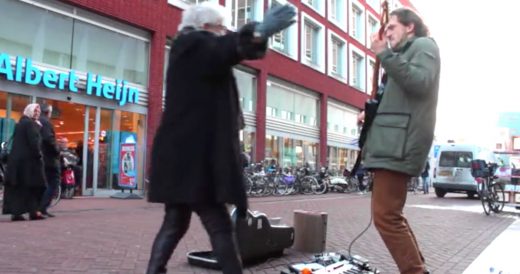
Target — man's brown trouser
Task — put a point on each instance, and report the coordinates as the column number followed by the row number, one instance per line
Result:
column 388, row 199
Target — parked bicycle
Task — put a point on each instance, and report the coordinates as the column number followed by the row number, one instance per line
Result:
column 490, row 191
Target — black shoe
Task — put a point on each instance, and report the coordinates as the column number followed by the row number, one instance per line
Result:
column 15, row 218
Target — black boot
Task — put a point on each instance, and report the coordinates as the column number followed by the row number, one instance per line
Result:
column 175, row 225
column 226, row 251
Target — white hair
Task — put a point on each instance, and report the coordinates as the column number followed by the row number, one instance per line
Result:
column 30, row 110
column 197, row 16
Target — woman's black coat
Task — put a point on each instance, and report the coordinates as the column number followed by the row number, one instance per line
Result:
column 25, row 164
column 196, row 154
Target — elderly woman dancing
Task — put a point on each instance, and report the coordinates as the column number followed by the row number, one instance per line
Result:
column 25, row 182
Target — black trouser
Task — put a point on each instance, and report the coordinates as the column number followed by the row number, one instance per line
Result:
column 216, row 221
column 53, row 177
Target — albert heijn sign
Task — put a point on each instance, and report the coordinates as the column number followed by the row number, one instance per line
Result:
column 25, row 72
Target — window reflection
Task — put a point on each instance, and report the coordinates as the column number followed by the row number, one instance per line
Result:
column 291, row 152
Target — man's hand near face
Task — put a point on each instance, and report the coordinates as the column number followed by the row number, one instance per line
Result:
column 378, row 45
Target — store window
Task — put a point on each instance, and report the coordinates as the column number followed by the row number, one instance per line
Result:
column 110, row 54
column 288, row 152
column 342, row 121
column 340, row 158
column 246, row 84
column 285, row 104
column 11, row 110
column 44, row 36
column 59, row 40
column 118, row 129
column 247, row 141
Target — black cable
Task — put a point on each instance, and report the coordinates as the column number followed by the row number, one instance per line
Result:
column 364, row 230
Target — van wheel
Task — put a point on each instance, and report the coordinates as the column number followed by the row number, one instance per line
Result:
column 440, row 192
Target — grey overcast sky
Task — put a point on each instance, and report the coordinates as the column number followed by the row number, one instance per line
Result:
column 479, row 56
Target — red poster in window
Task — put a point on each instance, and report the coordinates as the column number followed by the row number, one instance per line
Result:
column 127, row 166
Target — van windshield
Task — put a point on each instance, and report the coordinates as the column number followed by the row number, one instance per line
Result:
column 455, row 159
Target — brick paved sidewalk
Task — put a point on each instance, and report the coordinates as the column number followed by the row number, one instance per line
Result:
column 98, row 235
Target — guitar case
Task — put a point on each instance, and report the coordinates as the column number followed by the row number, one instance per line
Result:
column 257, row 240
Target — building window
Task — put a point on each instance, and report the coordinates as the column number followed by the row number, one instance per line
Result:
column 357, row 21
column 372, row 27
column 337, row 57
column 371, row 64
column 244, row 11
column 337, row 13
column 316, row 5
column 286, row 41
column 357, row 68
column 313, row 43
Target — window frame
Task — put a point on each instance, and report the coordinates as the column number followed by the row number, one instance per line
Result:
column 369, row 73
column 341, row 23
column 358, row 5
column 369, row 16
column 355, row 50
column 291, row 34
column 320, row 43
column 343, row 76
column 320, row 9
column 258, row 11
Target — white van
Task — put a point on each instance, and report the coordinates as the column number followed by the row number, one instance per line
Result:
column 452, row 171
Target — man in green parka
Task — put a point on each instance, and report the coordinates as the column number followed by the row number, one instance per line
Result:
column 401, row 135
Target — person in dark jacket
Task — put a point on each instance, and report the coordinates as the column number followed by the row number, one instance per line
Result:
column 195, row 160
column 25, row 182
column 51, row 158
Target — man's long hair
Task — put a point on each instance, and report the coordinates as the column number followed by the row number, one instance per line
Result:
column 407, row 17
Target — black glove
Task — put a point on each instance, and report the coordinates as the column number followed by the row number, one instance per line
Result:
column 276, row 19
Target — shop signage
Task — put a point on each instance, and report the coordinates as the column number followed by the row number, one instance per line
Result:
column 25, row 72
column 127, row 166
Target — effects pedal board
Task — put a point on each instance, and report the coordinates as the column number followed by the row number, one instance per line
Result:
column 333, row 263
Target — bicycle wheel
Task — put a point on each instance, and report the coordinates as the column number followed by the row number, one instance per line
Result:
column 484, row 197
column 280, row 187
column 307, row 183
column 319, row 187
column 56, row 197
column 496, row 197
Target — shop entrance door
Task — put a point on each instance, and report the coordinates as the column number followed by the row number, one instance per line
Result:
column 74, row 126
